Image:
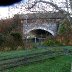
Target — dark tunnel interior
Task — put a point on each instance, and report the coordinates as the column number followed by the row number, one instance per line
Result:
column 40, row 33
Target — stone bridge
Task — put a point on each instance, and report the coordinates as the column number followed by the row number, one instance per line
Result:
column 36, row 24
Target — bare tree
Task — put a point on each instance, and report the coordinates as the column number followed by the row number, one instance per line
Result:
column 70, row 4
column 52, row 4
column 63, row 12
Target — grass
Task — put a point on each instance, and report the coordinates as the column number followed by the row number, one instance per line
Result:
column 68, row 47
column 13, row 54
column 59, row 64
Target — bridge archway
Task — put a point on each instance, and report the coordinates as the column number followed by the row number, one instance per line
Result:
column 40, row 33
column 33, row 30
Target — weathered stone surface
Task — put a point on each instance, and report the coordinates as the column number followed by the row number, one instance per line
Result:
column 48, row 15
column 45, row 21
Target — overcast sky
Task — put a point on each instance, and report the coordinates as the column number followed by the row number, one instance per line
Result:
column 4, row 11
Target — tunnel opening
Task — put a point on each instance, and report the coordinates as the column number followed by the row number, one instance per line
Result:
column 39, row 35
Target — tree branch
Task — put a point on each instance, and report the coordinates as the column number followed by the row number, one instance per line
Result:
column 52, row 4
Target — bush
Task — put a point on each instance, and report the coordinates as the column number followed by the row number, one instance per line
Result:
column 52, row 42
column 16, row 36
column 9, row 43
column 2, row 39
column 65, row 27
column 13, row 41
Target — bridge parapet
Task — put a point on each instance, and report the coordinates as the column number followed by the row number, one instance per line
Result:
column 47, row 15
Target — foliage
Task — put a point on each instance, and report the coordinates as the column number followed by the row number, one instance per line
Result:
column 11, row 41
column 8, row 25
column 16, row 36
column 65, row 32
column 65, row 27
column 2, row 39
column 52, row 42
column 16, row 39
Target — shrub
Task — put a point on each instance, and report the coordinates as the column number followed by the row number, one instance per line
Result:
column 2, row 39
column 9, row 43
column 13, row 41
column 65, row 31
column 65, row 27
column 17, row 38
column 52, row 42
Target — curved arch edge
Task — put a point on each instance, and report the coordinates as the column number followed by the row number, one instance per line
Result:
column 50, row 31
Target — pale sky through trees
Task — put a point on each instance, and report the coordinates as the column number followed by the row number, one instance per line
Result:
column 5, row 12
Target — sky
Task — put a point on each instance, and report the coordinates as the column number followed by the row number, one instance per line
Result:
column 5, row 13
column 9, row 11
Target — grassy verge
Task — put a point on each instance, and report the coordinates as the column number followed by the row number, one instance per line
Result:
column 13, row 54
column 58, row 64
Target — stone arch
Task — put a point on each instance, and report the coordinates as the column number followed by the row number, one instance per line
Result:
column 42, row 28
